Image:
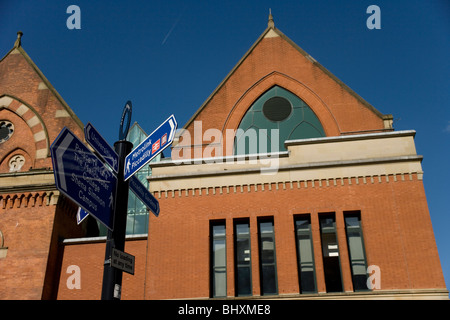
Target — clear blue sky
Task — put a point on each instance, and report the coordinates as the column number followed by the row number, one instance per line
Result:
column 168, row 56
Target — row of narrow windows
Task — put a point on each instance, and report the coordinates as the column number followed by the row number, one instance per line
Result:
column 305, row 255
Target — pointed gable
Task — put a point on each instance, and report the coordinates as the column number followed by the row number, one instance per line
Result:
column 36, row 110
column 275, row 60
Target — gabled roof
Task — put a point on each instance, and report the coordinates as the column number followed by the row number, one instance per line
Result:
column 18, row 49
column 272, row 31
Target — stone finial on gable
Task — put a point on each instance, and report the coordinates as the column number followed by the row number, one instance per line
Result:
column 18, row 40
column 271, row 24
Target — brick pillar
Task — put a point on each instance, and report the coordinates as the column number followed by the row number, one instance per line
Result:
column 230, row 257
column 318, row 260
column 346, row 274
column 255, row 256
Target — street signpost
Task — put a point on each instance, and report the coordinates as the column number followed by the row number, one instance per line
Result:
column 103, row 192
column 154, row 144
column 144, row 195
column 101, row 146
column 115, row 239
column 82, row 177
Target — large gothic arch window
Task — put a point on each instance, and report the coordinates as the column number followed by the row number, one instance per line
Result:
column 276, row 116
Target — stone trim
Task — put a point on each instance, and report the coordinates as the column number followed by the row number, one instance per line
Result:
column 27, row 200
column 354, row 137
column 34, row 121
column 88, row 240
column 285, row 185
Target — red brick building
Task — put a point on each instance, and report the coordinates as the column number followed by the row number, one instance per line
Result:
column 33, row 215
column 285, row 184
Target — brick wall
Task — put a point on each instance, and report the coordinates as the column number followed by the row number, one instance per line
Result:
column 397, row 232
column 27, row 232
column 31, row 218
column 89, row 257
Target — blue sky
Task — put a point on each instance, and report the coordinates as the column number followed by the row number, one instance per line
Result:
column 168, row 56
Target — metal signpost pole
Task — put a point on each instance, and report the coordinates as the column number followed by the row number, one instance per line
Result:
column 130, row 161
column 112, row 277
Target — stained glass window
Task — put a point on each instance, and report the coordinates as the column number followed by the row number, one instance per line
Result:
column 280, row 110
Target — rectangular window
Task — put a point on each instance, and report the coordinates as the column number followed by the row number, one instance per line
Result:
column 330, row 253
column 218, row 259
column 305, row 254
column 356, row 250
column 243, row 270
column 267, row 257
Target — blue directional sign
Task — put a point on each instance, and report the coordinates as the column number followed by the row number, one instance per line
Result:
column 155, row 143
column 144, row 195
column 81, row 215
column 81, row 176
column 96, row 141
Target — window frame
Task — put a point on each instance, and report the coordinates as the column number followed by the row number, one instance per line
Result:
column 304, row 217
column 263, row 264
column 324, row 231
column 239, row 264
column 213, row 268
column 356, row 214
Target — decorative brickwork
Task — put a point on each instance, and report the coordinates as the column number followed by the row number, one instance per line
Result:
column 33, row 217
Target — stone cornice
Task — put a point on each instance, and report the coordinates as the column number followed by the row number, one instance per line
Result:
column 28, row 181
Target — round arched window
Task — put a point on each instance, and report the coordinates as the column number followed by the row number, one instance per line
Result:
column 6, row 130
column 276, row 116
column 277, row 109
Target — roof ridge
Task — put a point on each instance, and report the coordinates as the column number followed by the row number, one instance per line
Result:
column 269, row 31
column 249, row 51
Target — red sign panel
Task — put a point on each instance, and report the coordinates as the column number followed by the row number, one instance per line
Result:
column 163, row 139
column 155, row 146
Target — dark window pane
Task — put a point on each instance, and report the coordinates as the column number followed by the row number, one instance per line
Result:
column 243, row 280
column 330, row 253
column 305, row 255
column 267, row 257
column 356, row 251
column 243, row 251
column 332, row 274
column 277, row 109
column 307, row 281
column 269, row 284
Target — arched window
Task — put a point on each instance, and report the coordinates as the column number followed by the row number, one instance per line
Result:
column 278, row 115
column 6, row 130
